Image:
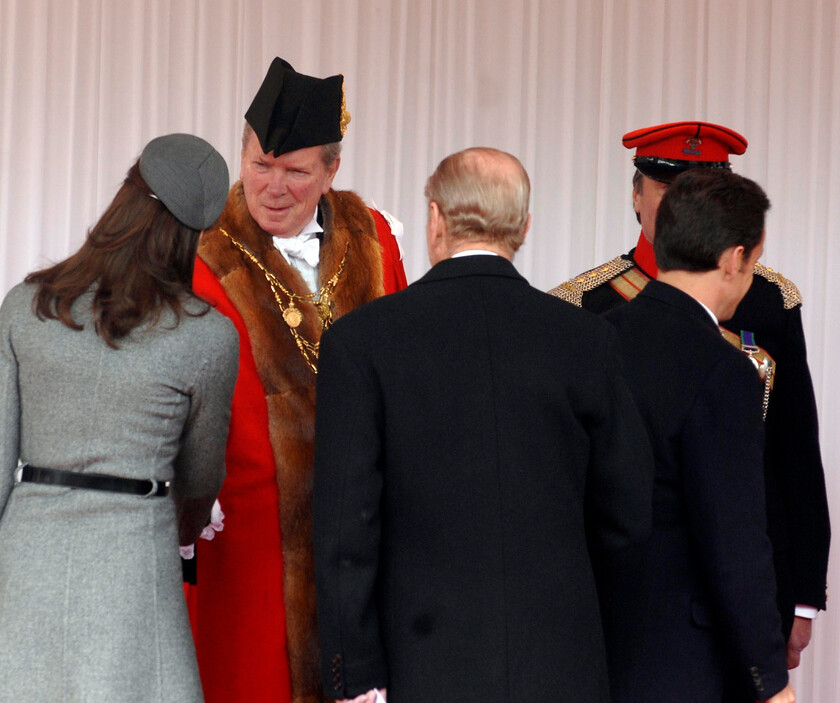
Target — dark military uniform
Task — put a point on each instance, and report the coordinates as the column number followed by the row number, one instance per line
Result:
column 797, row 507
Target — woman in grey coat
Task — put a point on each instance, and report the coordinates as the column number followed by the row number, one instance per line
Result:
column 115, row 390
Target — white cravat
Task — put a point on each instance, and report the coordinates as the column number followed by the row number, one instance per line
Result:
column 303, row 251
column 304, row 246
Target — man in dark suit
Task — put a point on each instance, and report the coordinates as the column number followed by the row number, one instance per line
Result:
column 768, row 326
column 479, row 466
column 696, row 619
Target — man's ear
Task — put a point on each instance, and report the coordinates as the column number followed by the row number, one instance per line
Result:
column 434, row 214
column 527, row 229
column 435, row 222
column 436, row 234
column 333, row 169
column 732, row 261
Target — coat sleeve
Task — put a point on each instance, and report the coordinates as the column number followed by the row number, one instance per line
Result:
column 619, row 484
column 9, row 408
column 346, row 521
column 723, row 481
column 794, row 452
column 200, row 464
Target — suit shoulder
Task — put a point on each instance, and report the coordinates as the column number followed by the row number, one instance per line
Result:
column 372, row 313
column 572, row 290
column 588, row 329
column 763, row 275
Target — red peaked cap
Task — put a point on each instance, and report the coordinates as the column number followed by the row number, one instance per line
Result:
column 666, row 150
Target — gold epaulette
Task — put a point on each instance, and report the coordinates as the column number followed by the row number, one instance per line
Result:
column 790, row 293
column 572, row 290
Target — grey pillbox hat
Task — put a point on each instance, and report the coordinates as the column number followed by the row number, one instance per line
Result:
column 188, row 176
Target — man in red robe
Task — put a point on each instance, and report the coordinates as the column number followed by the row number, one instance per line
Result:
column 288, row 256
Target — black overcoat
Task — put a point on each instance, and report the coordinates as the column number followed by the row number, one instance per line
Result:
column 478, row 460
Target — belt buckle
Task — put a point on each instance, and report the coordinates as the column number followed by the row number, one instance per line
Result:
column 19, row 474
column 154, row 489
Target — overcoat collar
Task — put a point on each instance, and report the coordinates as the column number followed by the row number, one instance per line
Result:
column 478, row 265
column 674, row 297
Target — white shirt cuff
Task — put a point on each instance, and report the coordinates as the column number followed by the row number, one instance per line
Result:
column 806, row 611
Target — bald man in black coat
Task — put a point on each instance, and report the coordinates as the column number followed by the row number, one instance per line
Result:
column 479, row 466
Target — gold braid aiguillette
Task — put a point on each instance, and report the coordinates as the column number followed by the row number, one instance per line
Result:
column 285, row 299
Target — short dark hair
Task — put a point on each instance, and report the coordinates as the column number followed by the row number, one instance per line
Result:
column 703, row 213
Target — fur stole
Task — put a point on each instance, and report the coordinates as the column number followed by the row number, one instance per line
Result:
column 290, row 384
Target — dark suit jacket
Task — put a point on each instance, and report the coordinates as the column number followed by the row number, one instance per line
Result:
column 797, row 506
column 478, row 458
column 701, row 601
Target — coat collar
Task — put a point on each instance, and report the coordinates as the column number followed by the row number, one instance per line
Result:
column 674, row 297
column 478, row 265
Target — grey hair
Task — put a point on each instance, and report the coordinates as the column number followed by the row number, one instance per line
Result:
column 481, row 200
column 329, row 152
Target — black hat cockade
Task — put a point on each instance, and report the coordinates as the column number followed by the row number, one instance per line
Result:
column 293, row 111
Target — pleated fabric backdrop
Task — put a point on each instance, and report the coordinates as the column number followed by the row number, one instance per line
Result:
column 85, row 83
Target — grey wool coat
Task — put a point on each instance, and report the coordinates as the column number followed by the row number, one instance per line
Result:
column 91, row 602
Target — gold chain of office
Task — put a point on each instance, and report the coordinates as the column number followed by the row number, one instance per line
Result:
column 286, row 299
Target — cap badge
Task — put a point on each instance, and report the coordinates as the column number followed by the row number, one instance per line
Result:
column 693, row 146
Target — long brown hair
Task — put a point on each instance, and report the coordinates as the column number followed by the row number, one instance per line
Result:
column 139, row 259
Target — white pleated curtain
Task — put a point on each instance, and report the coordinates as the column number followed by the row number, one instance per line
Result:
column 85, row 83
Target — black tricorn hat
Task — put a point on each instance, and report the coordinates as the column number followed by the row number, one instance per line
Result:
column 293, row 111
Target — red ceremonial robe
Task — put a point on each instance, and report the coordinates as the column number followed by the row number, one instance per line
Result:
column 253, row 608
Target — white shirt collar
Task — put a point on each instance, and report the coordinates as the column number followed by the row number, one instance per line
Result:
column 309, row 230
column 711, row 314
column 312, row 227
column 473, row 252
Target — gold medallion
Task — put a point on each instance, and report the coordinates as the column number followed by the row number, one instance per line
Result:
column 292, row 316
column 324, row 311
